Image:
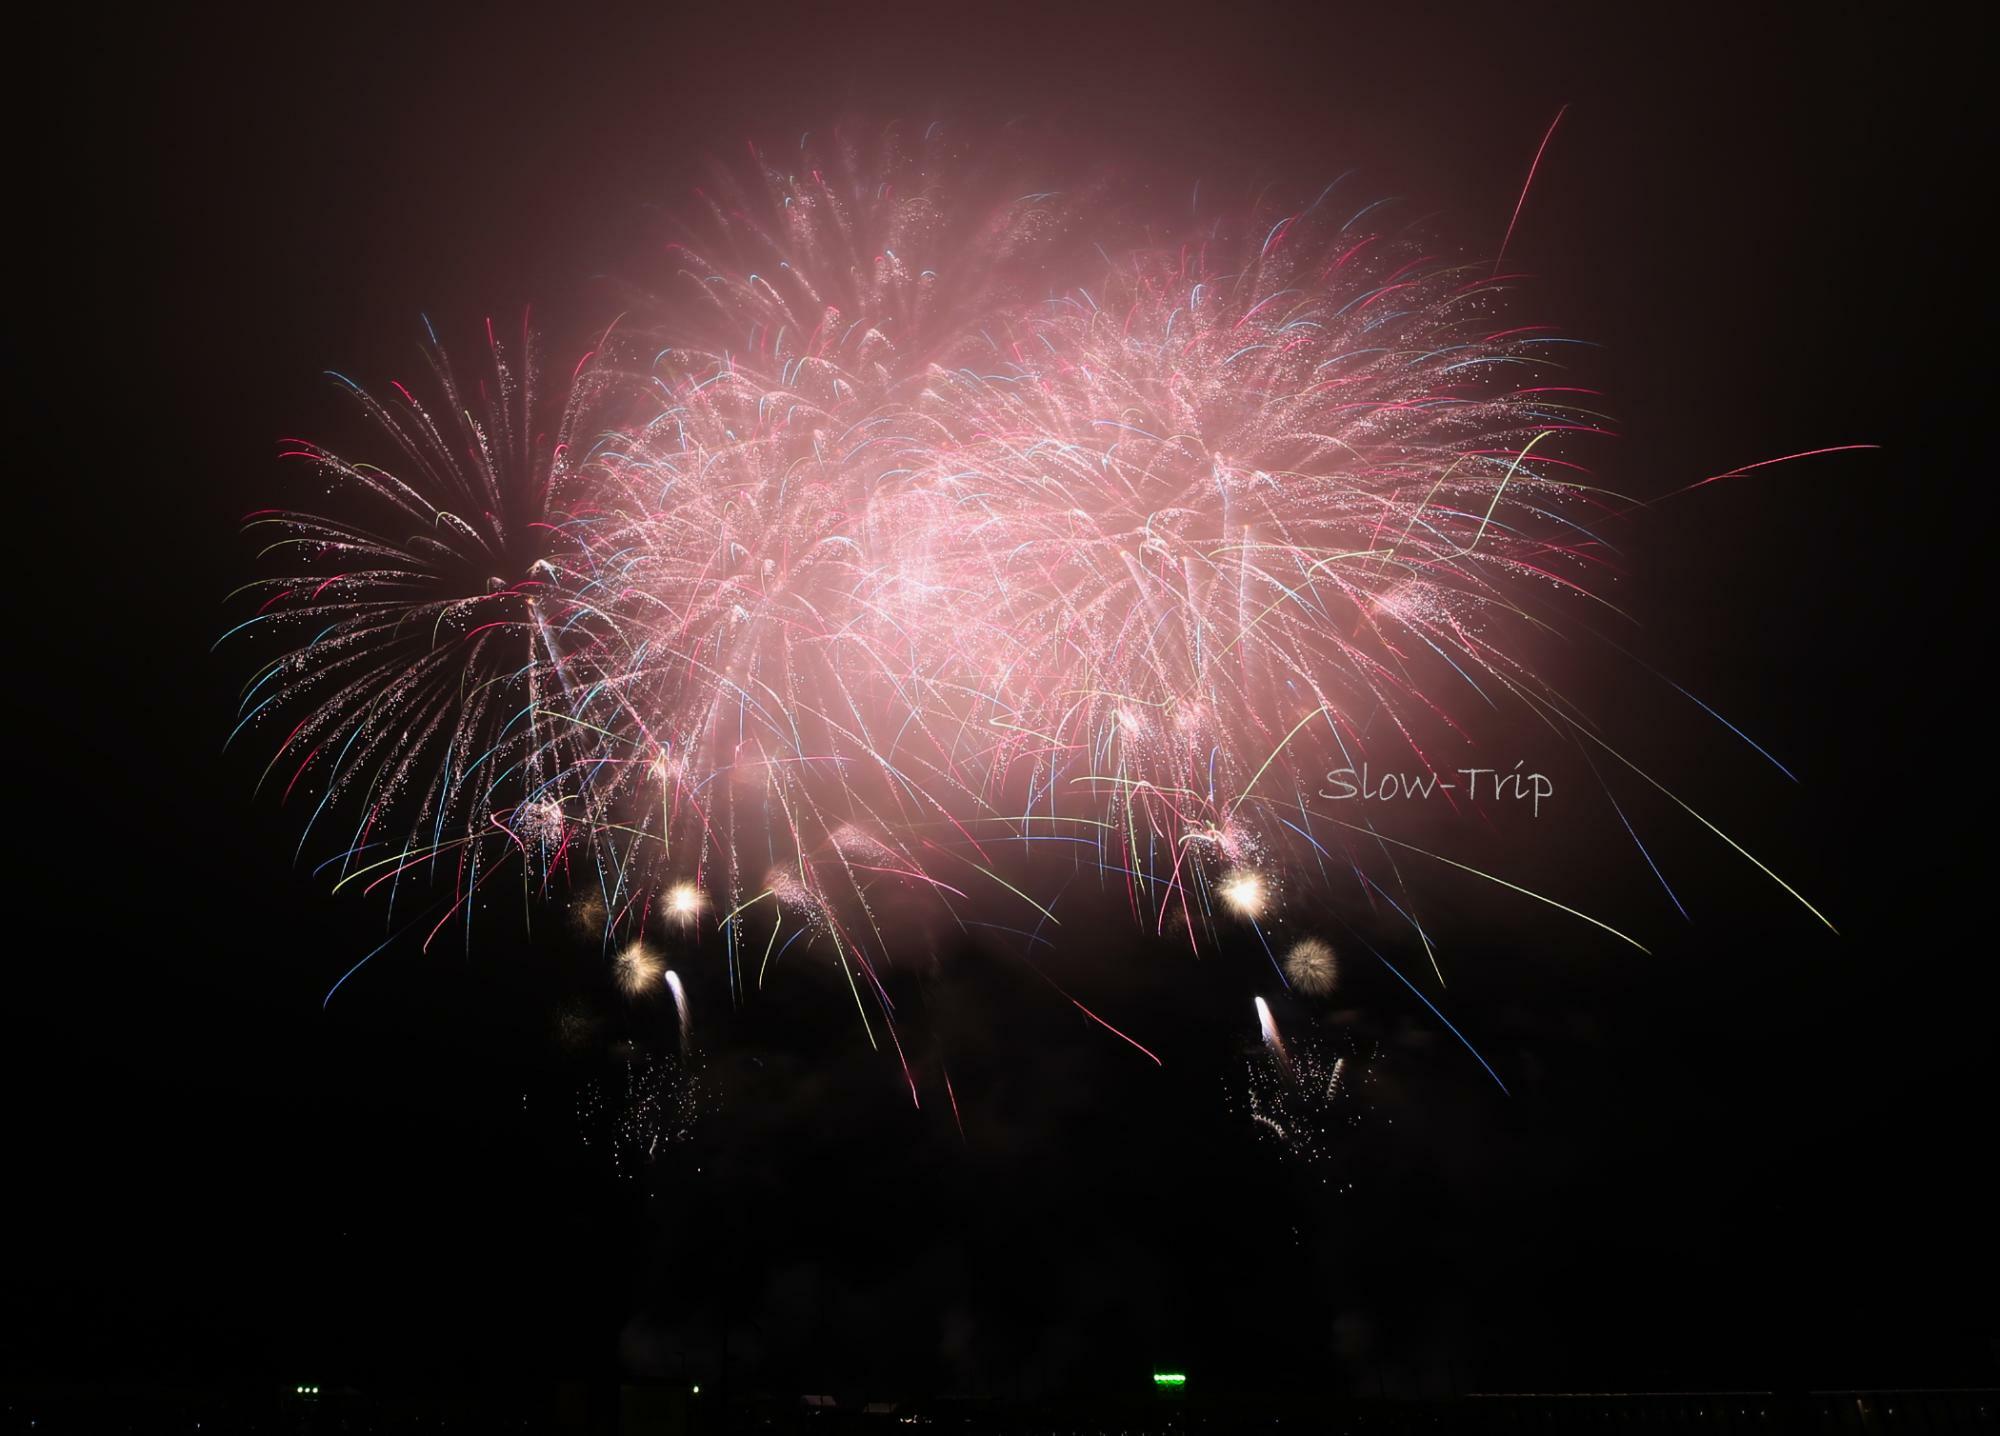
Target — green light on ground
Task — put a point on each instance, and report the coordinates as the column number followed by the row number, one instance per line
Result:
column 1169, row 1378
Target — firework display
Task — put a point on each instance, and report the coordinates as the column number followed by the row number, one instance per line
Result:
column 1301, row 1093
column 647, row 1105
column 924, row 534
column 425, row 614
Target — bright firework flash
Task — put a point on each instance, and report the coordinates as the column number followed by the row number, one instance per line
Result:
column 1245, row 893
column 639, row 969
column 683, row 904
column 954, row 536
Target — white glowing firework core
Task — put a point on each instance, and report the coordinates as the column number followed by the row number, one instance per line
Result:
column 1246, row 894
column 684, row 901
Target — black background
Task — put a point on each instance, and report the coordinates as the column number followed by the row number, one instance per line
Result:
column 1756, row 1157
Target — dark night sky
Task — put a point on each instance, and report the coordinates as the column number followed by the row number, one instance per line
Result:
column 1749, row 1159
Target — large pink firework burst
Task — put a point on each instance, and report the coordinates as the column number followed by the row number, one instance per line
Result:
column 943, row 515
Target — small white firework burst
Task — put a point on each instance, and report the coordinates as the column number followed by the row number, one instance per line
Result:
column 1311, row 967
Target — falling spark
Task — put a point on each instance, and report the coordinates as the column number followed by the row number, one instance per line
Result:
column 673, row 981
column 1268, row 1026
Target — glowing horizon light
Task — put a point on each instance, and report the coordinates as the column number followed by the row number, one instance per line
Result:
column 1169, row 1378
